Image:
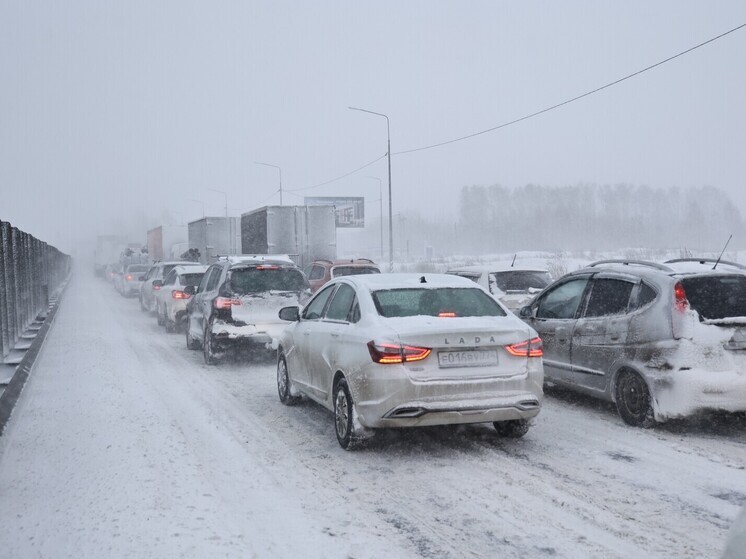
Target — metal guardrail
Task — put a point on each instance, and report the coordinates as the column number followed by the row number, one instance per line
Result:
column 30, row 270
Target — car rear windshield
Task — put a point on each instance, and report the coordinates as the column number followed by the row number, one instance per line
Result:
column 521, row 280
column 338, row 271
column 261, row 279
column 191, row 279
column 138, row 268
column 715, row 297
column 442, row 301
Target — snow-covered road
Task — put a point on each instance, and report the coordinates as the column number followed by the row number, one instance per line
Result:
column 124, row 444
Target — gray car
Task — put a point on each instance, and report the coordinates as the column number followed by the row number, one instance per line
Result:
column 660, row 340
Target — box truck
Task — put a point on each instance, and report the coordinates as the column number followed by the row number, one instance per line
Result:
column 164, row 239
column 306, row 233
column 215, row 236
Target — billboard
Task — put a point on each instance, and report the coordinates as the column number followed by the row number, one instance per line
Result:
column 349, row 210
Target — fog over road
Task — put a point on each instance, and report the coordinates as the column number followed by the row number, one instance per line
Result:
column 125, row 444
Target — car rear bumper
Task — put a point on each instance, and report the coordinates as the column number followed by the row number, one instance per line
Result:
column 395, row 400
column 684, row 393
column 230, row 334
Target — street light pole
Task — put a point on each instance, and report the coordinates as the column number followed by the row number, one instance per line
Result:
column 279, row 169
column 388, row 154
column 380, row 200
column 200, row 202
column 226, row 199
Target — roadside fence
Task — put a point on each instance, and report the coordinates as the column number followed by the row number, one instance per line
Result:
column 30, row 270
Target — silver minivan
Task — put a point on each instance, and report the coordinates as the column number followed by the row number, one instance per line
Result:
column 660, row 340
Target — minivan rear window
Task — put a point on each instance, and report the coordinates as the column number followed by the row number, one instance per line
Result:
column 443, row 301
column 191, row 279
column 261, row 279
column 715, row 297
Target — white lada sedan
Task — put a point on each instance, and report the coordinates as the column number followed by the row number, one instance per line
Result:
column 407, row 350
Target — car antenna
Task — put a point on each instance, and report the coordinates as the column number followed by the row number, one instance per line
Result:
column 722, row 251
column 513, row 262
column 422, row 279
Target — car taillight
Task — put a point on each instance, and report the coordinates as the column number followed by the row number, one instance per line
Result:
column 223, row 303
column 129, row 277
column 176, row 294
column 530, row 348
column 447, row 315
column 680, row 301
column 387, row 354
column 156, row 287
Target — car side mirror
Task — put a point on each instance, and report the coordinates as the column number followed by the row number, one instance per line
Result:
column 141, row 278
column 291, row 314
column 157, row 283
column 527, row 312
column 190, row 289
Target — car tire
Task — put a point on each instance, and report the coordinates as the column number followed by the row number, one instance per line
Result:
column 344, row 412
column 159, row 316
column 208, row 351
column 283, row 383
column 191, row 343
column 633, row 401
column 143, row 308
column 170, row 325
column 513, row 428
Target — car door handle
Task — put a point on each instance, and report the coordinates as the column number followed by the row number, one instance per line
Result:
column 306, row 333
column 335, row 335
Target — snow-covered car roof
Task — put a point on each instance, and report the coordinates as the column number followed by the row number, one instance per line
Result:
column 498, row 268
column 259, row 259
column 191, row 269
column 696, row 266
column 403, row 281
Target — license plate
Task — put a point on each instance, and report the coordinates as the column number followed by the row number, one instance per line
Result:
column 473, row 358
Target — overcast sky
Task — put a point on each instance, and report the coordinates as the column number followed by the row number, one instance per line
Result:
column 125, row 114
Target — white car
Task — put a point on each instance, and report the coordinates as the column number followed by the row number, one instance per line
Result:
column 128, row 281
column 406, row 350
column 514, row 286
column 170, row 298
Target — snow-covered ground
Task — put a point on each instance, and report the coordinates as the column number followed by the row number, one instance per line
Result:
column 124, row 444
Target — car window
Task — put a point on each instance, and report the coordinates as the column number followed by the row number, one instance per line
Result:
column 266, row 278
column 520, row 280
column 191, row 279
column 317, row 273
column 563, row 301
column 715, row 297
column 170, row 278
column 473, row 276
column 315, row 308
column 442, row 301
column 645, row 295
column 338, row 271
column 355, row 312
column 339, row 308
column 212, row 281
column 137, row 269
column 608, row 297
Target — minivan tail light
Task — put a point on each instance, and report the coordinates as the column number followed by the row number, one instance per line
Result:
column 680, row 301
column 530, row 348
column 129, row 277
column 388, row 354
column 176, row 294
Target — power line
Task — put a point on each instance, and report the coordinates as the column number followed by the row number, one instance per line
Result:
column 337, row 178
column 568, row 101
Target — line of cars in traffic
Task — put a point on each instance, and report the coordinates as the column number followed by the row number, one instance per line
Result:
column 660, row 340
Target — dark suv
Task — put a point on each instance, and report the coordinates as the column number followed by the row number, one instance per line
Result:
column 237, row 303
column 660, row 340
